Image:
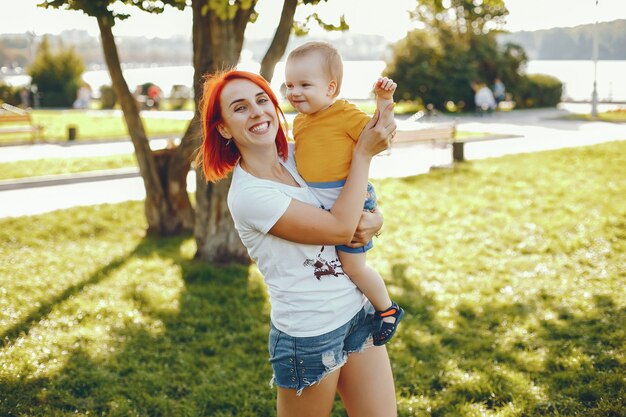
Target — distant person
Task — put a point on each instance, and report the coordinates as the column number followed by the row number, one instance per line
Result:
column 325, row 132
column 483, row 97
column 83, row 97
column 499, row 91
column 154, row 97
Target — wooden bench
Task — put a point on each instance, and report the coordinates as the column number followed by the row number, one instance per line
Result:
column 18, row 121
column 425, row 132
column 434, row 133
column 440, row 134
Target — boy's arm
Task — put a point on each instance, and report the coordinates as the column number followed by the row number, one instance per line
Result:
column 384, row 89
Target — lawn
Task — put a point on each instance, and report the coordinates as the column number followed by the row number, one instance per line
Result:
column 94, row 124
column 55, row 166
column 615, row 116
column 512, row 273
column 98, row 124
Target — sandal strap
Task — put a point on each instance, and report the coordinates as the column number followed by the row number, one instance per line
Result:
column 391, row 311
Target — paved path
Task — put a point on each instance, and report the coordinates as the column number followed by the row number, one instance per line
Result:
column 527, row 131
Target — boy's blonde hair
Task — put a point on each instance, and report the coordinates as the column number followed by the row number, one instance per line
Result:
column 331, row 60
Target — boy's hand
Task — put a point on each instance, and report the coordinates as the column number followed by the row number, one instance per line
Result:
column 384, row 88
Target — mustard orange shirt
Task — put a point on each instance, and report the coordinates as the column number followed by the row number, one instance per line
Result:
column 325, row 141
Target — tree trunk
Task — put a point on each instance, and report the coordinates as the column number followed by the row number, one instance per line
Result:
column 216, row 45
column 281, row 39
column 167, row 206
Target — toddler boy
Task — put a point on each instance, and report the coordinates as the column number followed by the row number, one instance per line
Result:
column 325, row 132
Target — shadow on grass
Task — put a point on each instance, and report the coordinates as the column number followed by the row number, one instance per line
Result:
column 23, row 326
column 503, row 358
column 211, row 358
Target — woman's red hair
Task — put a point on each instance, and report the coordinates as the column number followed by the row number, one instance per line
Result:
column 217, row 158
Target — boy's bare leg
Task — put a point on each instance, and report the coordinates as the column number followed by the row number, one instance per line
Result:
column 367, row 279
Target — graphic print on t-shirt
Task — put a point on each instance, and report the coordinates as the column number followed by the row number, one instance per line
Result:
column 324, row 267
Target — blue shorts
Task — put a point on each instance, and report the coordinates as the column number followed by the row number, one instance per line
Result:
column 369, row 205
column 299, row 362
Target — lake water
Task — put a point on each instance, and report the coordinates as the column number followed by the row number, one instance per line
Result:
column 577, row 77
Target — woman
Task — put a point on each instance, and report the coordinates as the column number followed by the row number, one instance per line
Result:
column 321, row 325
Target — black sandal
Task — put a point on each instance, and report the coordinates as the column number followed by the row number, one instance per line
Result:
column 387, row 330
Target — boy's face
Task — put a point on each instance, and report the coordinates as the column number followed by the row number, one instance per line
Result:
column 309, row 88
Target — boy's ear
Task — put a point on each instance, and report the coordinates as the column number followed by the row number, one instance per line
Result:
column 332, row 88
column 223, row 131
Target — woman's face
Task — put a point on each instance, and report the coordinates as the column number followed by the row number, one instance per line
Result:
column 248, row 115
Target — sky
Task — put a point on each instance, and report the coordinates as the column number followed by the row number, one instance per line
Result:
column 384, row 17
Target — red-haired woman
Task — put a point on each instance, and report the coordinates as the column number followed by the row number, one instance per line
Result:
column 321, row 328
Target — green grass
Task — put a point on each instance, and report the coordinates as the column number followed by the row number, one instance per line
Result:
column 93, row 124
column 473, row 135
column 615, row 116
column 512, row 273
column 53, row 166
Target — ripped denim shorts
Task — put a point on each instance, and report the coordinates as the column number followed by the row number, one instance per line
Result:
column 299, row 362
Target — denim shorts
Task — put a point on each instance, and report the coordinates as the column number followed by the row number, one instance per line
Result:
column 299, row 362
column 370, row 204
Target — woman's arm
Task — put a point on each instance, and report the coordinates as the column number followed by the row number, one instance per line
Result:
column 304, row 223
column 369, row 226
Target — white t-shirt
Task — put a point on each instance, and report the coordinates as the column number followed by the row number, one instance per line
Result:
column 484, row 99
column 309, row 292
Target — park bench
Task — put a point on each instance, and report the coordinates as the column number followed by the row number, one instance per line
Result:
column 437, row 134
column 15, row 120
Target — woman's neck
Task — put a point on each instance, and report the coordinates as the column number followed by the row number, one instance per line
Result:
column 267, row 166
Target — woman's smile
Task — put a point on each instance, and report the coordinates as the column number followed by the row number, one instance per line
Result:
column 260, row 127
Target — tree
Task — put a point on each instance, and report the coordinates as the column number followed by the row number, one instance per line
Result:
column 279, row 43
column 286, row 26
column 167, row 208
column 57, row 75
column 218, row 34
column 464, row 17
column 218, row 28
column 433, row 69
column 458, row 46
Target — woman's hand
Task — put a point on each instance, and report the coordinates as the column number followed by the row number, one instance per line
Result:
column 377, row 134
column 369, row 225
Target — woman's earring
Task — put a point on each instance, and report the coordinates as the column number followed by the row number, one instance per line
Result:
column 228, row 143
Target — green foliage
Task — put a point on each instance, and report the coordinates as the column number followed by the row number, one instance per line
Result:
column 469, row 17
column 226, row 9
column 413, row 59
column 9, row 94
column 511, row 272
column 56, row 75
column 458, row 47
column 538, row 90
column 438, row 67
column 100, row 8
column 302, row 28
